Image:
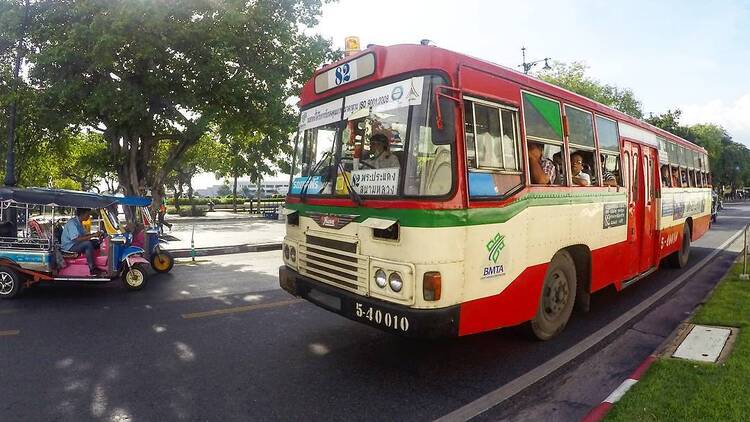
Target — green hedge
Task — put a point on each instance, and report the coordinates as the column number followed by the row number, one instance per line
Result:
column 187, row 211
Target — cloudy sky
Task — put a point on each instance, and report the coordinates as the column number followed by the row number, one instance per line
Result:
column 691, row 55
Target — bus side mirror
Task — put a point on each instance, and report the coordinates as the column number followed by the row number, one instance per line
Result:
column 445, row 115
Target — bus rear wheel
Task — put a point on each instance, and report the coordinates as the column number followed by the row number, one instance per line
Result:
column 680, row 258
column 557, row 298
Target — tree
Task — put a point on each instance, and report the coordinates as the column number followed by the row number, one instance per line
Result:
column 225, row 189
column 251, row 154
column 573, row 78
column 149, row 74
column 202, row 157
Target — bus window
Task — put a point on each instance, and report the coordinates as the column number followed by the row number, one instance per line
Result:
column 611, row 174
column 582, row 147
column 491, row 149
column 666, row 178
column 583, row 171
column 684, row 177
column 546, row 164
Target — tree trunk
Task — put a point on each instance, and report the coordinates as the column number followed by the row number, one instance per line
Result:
column 190, row 196
column 177, row 196
column 234, row 195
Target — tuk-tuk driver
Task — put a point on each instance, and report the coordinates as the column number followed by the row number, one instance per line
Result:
column 75, row 239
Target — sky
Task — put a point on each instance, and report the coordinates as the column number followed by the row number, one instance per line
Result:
column 691, row 55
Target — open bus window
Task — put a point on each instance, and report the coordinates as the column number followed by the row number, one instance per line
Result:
column 583, row 169
column 611, row 173
column 546, row 164
column 492, row 149
column 666, row 178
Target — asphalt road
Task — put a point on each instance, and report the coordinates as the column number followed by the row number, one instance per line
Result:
column 218, row 340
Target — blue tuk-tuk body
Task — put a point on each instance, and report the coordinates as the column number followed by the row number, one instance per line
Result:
column 32, row 253
column 161, row 260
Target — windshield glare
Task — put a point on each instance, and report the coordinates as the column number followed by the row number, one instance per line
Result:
column 382, row 146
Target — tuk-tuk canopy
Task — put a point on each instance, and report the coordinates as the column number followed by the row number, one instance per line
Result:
column 55, row 197
column 132, row 201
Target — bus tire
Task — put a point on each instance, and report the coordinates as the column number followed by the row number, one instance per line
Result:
column 680, row 258
column 557, row 297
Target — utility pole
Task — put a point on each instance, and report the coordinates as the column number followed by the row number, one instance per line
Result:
column 10, row 161
column 527, row 66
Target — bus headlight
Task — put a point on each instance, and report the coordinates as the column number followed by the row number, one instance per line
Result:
column 380, row 278
column 286, row 252
column 293, row 254
column 395, row 282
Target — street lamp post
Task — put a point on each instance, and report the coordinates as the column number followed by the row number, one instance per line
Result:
column 527, row 66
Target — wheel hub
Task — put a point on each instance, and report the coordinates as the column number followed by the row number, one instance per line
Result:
column 6, row 283
column 556, row 295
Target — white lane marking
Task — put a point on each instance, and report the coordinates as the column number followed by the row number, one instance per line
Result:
column 519, row 384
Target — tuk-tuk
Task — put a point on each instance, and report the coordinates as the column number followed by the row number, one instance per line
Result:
column 145, row 233
column 30, row 250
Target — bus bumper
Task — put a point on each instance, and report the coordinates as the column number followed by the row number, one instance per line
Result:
column 397, row 319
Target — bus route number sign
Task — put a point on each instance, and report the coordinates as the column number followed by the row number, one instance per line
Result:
column 379, row 317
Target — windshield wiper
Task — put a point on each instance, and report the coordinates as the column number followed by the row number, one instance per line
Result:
column 353, row 195
column 303, row 191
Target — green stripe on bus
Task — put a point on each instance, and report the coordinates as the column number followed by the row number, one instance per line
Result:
column 463, row 217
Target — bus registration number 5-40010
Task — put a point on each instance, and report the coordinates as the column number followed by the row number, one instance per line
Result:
column 379, row 317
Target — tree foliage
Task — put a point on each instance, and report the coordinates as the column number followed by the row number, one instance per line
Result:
column 729, row 161
column 157, row 74
column 573, row 77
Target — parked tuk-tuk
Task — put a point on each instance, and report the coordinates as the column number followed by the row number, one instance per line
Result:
column 145, row 234
column 30, row 249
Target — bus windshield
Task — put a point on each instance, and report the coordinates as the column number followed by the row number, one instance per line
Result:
column 381, row 142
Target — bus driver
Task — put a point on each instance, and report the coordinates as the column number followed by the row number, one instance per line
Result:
column 380, row 156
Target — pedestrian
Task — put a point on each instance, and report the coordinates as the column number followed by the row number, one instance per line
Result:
column 161, row 216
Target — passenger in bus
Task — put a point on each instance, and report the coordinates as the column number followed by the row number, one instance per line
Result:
column 609, row 178
column 542, row 169
column 380, row 156
column 675, row 177
column 579, row 177
column 665, row 179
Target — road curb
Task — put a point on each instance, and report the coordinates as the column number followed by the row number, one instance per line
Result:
column 226, row 250
column 599, row 412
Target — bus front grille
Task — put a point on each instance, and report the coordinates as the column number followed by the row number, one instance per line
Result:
column 334, row 262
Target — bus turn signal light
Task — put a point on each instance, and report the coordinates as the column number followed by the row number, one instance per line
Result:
column 432, row 285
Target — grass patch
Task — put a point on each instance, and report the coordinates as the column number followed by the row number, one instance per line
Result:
column 675, row 389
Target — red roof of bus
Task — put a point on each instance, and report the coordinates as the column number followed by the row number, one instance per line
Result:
column 403, row 58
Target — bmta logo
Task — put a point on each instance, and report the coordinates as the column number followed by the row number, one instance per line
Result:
column 343, row 74
column 495, row 246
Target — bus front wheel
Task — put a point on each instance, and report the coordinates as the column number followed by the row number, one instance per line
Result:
column 557, row 298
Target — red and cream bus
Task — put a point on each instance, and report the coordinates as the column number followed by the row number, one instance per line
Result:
column 437, row 194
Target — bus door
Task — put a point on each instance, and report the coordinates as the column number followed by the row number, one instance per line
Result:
column 635, row 206
column 649, row 171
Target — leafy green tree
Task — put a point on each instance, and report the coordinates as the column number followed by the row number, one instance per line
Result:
column 572, row 76
column 225, row 189
column 252, row 154
column 148, row 74
column 204, row 156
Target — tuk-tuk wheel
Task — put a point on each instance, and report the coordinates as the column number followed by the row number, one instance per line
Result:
column 10, row 283
column 135, row 277
column 162, row 262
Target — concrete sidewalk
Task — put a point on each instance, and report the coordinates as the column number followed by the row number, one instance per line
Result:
column 224, row 234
